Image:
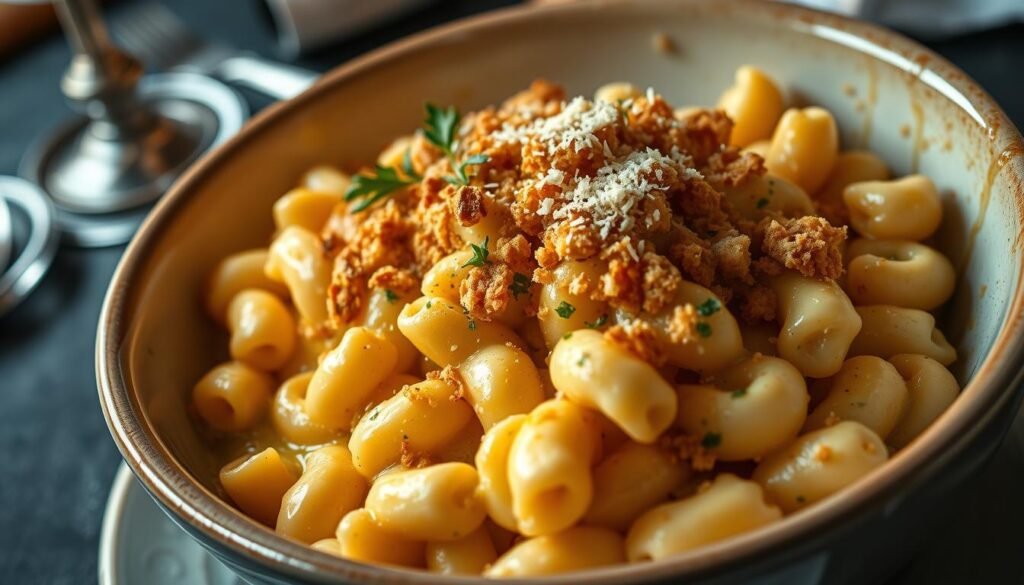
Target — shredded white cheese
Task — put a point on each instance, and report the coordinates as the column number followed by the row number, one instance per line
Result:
column 574, row 127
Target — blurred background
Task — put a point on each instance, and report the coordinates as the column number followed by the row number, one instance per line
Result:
column 57, row 460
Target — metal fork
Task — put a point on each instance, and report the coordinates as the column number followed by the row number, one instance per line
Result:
column 160, row 39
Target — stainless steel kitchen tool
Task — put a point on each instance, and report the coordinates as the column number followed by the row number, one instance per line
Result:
column 138, row 134
column 154, row 33
column 36, row 255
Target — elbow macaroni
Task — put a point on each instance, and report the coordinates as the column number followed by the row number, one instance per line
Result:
column 728, row 506
column 866, row 389
column 232, row 397
column 904, row 209
column 888, row 331
column 549, row 468
column 262, row 330
column 328, row 488
column 818, row 324
column 900, row 273
column 435, row 503
column 754, row 104
column 760, row 406
column 804, row 147
column 594, row 372
column 235, row 274
column 931, row 389
column 575, row 549
column 819, row 464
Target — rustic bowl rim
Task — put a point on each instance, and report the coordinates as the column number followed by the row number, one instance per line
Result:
column 204, row 515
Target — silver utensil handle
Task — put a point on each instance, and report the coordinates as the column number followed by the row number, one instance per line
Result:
column 272, row 79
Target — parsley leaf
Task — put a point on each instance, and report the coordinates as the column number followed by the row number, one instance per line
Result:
column 441, row 126
column 565, row 310
column 598, row 323
column 390, row 295
column 407, row 167
column 739, row 393
column 762, row 203
column 371, row 188
column 709, row 307
column 711, row 440
column 460, row 177
column 480, row 254
column 520, row 284
column 704, row 329
column 472, row 325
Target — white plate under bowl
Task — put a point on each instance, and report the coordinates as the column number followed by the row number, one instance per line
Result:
column 140, row 545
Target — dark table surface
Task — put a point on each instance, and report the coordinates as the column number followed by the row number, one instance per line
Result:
column 57, row 459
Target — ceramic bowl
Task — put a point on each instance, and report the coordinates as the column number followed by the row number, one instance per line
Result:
column 887, row 93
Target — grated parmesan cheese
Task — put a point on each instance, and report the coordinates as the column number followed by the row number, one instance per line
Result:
column 609, row 197
column 573, row 127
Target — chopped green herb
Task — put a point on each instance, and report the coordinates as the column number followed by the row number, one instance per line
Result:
column 480, row 254
column 567, row 335
column 709, row 307
column 441, row 126
column 800, row 499
column 428, row 304
column 405, row 437
column 771, row 187
column 520, row 284
column 460, row 177
column 472, row 325
column 375, row 414
column 369, row 189
column 565, row 310
column 860, row 404
column 598, row 323
column 762, row 202
column 407, row 167
column 739, row 393
column 711, row 440
column 390, row 295
column 704, row 329
column 583, row 359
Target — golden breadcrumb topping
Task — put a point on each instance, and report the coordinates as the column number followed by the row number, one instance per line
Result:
column 629, row 184
column 639, row 338
column 809, row 245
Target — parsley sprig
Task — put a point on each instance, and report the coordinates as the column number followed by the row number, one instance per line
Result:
column 480, row 254
column 460, row 177
column 440, row 127
column 370, row 189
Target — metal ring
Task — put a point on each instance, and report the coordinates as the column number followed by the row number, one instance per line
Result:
column 37, row 256
column 6, row 235
column 205, row 94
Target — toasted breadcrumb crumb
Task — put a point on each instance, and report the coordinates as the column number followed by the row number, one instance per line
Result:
column 401, row 281
column 639, row 338
column 468, row 205
column 411, row 459
column 485, row 293
column 686, row 448
column 810, row 245
column 682, row 328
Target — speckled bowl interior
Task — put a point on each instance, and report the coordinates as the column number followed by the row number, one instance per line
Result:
column 887, row 94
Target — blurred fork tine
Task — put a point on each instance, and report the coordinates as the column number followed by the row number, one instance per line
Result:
column 154, row 34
